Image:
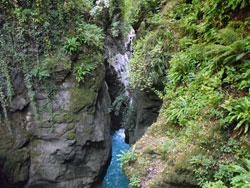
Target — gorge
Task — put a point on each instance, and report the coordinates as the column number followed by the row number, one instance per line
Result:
column 167, row 82
column 56, row 130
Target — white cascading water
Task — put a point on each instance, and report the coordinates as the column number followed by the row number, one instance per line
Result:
column 120, row 62
column 118, row 56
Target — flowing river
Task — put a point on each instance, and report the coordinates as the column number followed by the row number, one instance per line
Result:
column 119, row 61
column 115, row 177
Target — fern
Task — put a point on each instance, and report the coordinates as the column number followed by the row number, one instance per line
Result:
column 90, row 34
column 127, row 157
column 243, row 179
column 227, row 36
column 223, row 55
column 238, row 111
column 218, row 184
column 233, row 4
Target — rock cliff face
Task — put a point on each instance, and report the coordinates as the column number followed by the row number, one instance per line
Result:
column 142, row 114
column 71, row 147
column 114, row 51
column 143, row 107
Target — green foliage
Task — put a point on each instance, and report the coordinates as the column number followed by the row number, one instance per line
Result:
column 3, row 103
column 86, row 64
column 213, row 13
column 32, row 36
column 199, row 52
column 233, row 4
column 224, row 56
column 10, row 90
column 203, row 167
column 218, row 184
column 40, row 73
column 242, row 180
column 239, row 112
column 83, row 70
column 184, row 65
column 227, row 36
column 114, row 28
column 71, row 45
column 90, row 34
column 136, row 10
column 134, row 182
column 224, row 173
column 31, row 92
column 148, row 65
column 127, row 157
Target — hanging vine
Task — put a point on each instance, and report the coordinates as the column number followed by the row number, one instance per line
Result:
column 31, row 92
column 3, row 102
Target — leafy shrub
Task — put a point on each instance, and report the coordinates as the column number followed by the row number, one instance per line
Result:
column 243, row 179
column 202, row 168
column 90, row 34
column 136, row 10
column 239, row 112
column 185, row 64
column 134, row 182
column 127, row 157
column 226, row 55
column 71, row 45
column 83, row 70
column 218, row 184
column 224, row 173
column 227, row 36
column 148, row 65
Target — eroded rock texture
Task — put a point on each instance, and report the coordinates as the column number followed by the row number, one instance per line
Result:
column 142, row 114
column 142, row 107
column 71, row 147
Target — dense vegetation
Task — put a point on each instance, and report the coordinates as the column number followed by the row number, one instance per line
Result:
column 196, row 56
column 39, row 37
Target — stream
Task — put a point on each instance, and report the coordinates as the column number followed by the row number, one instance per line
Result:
column 119, row 60
column 115, row 177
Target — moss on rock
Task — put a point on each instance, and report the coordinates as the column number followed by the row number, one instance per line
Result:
column 63, row 117
column 81, row 97
column 84, row 94
column 71, row 135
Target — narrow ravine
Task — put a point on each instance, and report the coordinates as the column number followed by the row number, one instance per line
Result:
column 118, row 53
column 115, row 177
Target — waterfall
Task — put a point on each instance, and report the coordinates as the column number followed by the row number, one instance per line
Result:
column 120, row 61
column 118, row 52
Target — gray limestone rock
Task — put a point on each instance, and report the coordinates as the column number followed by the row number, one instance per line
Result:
column 143, row 113
column 18, row 103
column 72, row 148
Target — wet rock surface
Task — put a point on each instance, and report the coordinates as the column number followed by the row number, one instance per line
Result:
column 142, row 114
column 143, row 107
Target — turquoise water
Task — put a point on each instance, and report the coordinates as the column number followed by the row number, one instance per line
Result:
column 114, row 177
